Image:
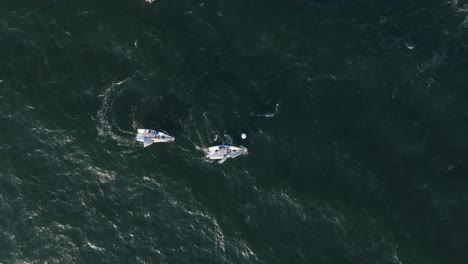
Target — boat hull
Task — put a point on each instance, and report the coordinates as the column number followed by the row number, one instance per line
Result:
column 150, row 136
column 223, row 152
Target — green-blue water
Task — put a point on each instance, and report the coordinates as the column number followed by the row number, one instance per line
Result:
column 355, row 112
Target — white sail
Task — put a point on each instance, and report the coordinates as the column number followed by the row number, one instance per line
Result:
column 147, row 142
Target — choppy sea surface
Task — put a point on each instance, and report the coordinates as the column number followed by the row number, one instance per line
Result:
column 356, row 115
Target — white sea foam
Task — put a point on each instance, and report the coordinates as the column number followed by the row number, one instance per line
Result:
column 104, row 176
column 95, row 247
column 395, row 257
column 269, row 115
column 245, row 250
column 104, row 121
column 436, row 60
column 410, row 46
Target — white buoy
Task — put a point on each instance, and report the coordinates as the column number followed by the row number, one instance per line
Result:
column 243, row 136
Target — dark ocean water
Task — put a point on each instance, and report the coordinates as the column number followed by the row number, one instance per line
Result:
column 356, row 114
